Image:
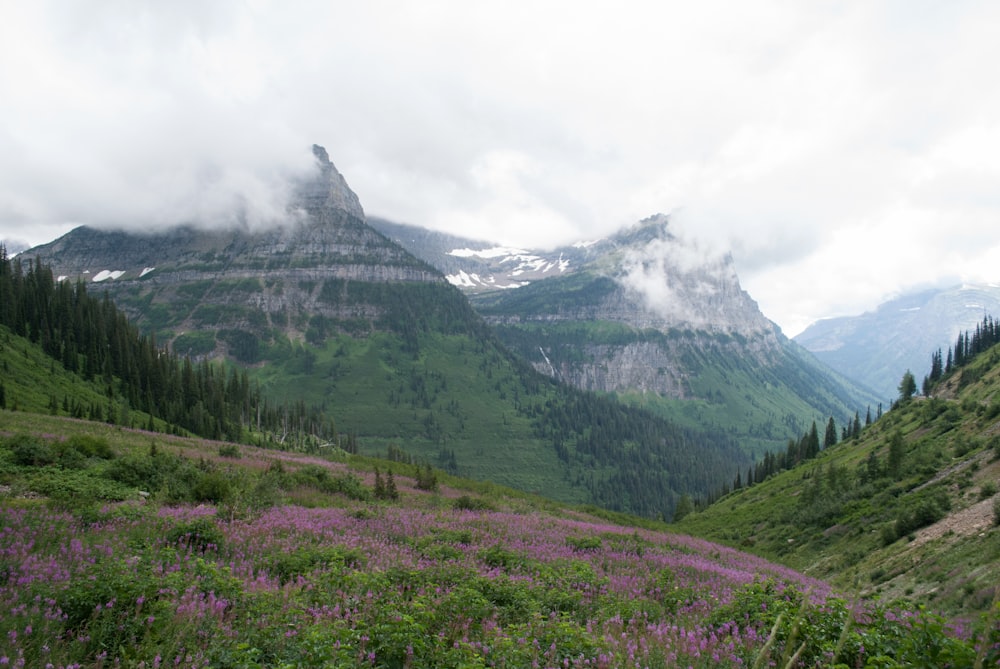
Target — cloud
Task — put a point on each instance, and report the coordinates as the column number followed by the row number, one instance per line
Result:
column 792, row 134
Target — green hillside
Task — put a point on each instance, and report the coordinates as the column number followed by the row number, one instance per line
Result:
column 758, row 391
column 378, row 364
column 908, row 511
column 129, row 548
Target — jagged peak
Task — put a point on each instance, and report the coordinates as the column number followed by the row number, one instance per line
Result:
column 329, row 188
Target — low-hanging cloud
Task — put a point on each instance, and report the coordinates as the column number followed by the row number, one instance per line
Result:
column 802, row 137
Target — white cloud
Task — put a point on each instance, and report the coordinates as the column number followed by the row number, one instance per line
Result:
column 831, row 146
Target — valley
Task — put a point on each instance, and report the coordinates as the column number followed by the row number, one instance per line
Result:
column 329, row 398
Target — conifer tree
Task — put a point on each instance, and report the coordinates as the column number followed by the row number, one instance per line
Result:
column 907, row 387
column 895, row 461
column 684, row 507
column 391, row 492
column 830, row 439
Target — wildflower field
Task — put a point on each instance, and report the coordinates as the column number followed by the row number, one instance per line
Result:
column 280, row 560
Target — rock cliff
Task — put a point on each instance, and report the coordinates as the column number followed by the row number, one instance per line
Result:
column 278, row 278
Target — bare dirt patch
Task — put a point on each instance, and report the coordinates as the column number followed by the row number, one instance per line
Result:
column 975, row 519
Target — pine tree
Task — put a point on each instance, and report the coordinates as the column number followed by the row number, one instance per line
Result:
column 907, row 387
column 379, row 489
column 684, row 507
column 830, row 439
column 895, row 462
column 391, row 492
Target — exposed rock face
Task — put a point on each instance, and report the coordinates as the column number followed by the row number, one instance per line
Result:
column 188, row 278
column 330, row 191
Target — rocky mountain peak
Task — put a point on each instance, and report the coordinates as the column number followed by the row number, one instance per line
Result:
column 328, row 189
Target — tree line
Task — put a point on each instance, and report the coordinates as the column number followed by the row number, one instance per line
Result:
column 92, row 338
column 967, row 346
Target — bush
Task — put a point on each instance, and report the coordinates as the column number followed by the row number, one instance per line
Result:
column 212, row 487
column 201, row 534
column 996, row 513
column 584, row 544
column 467, row 503
column 31, row 451
column 91, row 447
column 230, row 451
column 987, row 490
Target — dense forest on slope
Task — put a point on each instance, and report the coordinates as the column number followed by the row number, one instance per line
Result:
column 143, row 384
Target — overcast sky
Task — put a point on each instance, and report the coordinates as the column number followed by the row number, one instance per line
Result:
column 842, row 151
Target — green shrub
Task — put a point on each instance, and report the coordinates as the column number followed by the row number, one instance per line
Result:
column 584, row 544
column 288, row 566
column 212, row 487
column 987, row 490
column 31, row 451
column 201, row 534
column 467, row 503
column 91, row 447
column 230, row 451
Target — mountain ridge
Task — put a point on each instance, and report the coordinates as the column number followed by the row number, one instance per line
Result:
column 329, row 312
column 657, row 322
column 877, row 347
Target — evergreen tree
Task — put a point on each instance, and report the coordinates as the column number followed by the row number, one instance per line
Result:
column 830, row 439
column 907, row 387
column 391, row 493
column 379, row 489
column 895, row 461
column 684, row 507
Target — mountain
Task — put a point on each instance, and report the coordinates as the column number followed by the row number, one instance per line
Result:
column 907, row 511
column 325, row 311
column 476, row 265
column 876, row 348
column 645, row 316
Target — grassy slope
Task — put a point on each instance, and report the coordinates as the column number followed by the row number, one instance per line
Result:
column 928, row 534
column 31, row 380
column 450, row 397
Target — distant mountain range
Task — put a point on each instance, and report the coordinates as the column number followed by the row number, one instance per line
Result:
column 876, row 348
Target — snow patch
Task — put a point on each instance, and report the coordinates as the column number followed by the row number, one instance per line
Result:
column 61, row 278
column 104, row 275
column 463, row 279
column 145, row 271
column 495, row 252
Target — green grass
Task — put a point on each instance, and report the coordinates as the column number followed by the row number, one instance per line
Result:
column 924, row 534
column 450, row 398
